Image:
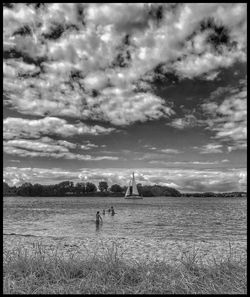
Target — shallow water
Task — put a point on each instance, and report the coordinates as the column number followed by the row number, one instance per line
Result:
column 146, row 227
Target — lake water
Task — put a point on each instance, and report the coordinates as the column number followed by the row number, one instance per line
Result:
column 156, row 227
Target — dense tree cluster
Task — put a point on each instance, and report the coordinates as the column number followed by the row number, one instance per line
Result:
column 67, row 188
column 212, row 194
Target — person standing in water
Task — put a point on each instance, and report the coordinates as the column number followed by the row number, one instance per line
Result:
column 98, row 218
column 112, row 211
column 103, row 212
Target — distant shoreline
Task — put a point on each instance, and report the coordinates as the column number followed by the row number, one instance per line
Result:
column 88, row 189
column 119, row 195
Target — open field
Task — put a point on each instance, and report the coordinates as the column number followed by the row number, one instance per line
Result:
column 50, row 271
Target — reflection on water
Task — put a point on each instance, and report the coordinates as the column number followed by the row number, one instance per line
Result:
column 151, row 220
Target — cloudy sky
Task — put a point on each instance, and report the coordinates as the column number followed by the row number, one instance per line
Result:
column 94, row 91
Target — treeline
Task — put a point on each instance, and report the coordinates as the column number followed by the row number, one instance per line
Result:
column 212, row 194
column 67, row 188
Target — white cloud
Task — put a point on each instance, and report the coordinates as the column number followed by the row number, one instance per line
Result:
column 229, row 119
column 130, row 16
column 210, row 148
column 48, row 152
column 183, row 162
column 165, row 150
column 47, row 144
column 19, row 128
column 15, row 161
column 212, row 75
column 33, row 145
column 170, row 151
column 188, row 121
column 237, row 146
column 150, row 156
column 117, row 108
column 194, row 65
column 88, row 52
column 96, row 80
column 14, row 67
column 50, row 148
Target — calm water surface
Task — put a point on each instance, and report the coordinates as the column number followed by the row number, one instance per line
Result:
column 159, row 218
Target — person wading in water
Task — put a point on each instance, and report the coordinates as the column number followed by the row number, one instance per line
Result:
column 112, row 211
column 98, row 220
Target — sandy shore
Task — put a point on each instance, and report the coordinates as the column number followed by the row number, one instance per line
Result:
column 132, row 248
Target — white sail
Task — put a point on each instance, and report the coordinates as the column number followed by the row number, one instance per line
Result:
column 128, row 189
column 134, row 187
column 132, row 191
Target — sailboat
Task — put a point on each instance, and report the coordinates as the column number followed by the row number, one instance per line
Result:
column 132, row 191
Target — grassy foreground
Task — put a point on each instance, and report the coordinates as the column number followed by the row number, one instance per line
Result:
column 39, row 271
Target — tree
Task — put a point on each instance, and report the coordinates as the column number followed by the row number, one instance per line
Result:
column 25, row 189
column 66, row 184
column 6, row 188
column 90, row 188
column 64, row 187
column 37, row 190
column 116, row 188
column 124, row 189
column 172, row 192
column 157, row 190
column 139, row 187
column 80, row 188
column 103, row 186
column 146, row 191
column 52, row 190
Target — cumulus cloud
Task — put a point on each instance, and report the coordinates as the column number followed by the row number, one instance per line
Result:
column 212, row 75
column 47, row 144
column 165, row 150
column 229, row 119
column 98, row 62
column 210, row 148
column 170, row 151
column 184, row 162
column 188, row 121
column 50, row 148
column 185, row 180
column 194, row 65
column 48, row 152
column 24, row 128
column 150, row 156
column 34, row 146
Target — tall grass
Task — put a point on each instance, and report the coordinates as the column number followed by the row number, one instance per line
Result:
column 43, row 271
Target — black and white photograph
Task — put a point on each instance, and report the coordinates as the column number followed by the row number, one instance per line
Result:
column 125, row 148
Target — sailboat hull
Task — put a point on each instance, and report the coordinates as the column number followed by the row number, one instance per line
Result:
column 133, row 197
